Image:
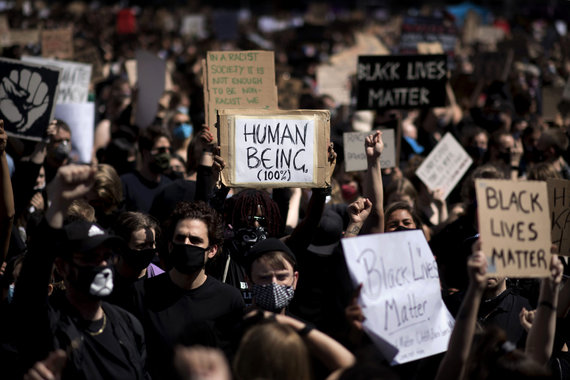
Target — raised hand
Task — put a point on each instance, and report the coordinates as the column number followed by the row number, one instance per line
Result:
column 359, row 210
column 374, row 145
column 526, row 318
column 477, row 267
column 49, row 369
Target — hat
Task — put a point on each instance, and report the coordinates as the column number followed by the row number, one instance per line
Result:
column 328, row 234
column 265, row 246
column 83, row 236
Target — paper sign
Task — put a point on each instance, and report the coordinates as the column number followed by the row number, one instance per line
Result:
column 334, row 81
column 151, row 72
column 28, row 93
column 194, row 26
column 240, row 79
column 81, row 120
column 74, row 80
column 401, row 295
column 514, row 225
column 58, row 43
column 559, row 205
column 275, row 148
column 355, row 153
column 444, row 167
column 401, row 81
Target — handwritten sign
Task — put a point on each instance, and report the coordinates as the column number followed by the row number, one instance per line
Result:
column 559, row 205
column 355, row 153
column 514, row 224
column 265, row 148
column 57, row 43
column 445, row 165
column 414, row 81
column 74, row 80
column 239, row 80
column 400, row 295
column 28, row 93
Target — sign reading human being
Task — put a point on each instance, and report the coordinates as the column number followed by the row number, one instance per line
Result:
column 404, row 81
column 400, row 296
column 559, row 202
column 28, row 94
column 444, row 167
column 274, row 148
column 355, row 153
column 514, row 226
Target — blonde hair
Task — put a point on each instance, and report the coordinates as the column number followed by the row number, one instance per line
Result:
column 108, row 188
column 272, row 351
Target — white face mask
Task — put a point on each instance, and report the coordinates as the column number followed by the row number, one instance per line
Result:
column 102, row 284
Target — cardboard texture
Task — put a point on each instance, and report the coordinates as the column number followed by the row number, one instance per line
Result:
column 355, row 152
column 239, row 80
column 28, row 94
column 444, row 167
column 559, row 206
column 24, row 36
column 151, row 71
column 58, row 43
column 404, row 81
column 514, row 227
column 81, row 120
column 274, row 148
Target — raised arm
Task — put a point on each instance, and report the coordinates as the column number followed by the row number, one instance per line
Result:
column 7, row 209
column 358, row 212
column 452, row 366
column 373, row 187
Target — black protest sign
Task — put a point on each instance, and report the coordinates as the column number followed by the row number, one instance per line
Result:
column 28, row 94
column 405, row 81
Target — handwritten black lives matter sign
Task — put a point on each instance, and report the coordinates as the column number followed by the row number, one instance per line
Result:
column 514, row 224
column 405, row 81
column 28, row 94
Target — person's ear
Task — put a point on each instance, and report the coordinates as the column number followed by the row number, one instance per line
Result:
column 295, row 279
column 50, row 289
column 212, row 251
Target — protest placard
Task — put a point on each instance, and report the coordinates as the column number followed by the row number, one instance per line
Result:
column 430, row 48
column 400, row 294
column 28, row 93
column 274, row 148
column 73, row 82
column 81, row 120
column 406, row 81
column 559, row 205
column 445, row 165
column 334, row 81
column 194, row 26
column 240, row 79
column 427, row 29
column 24, row 37
column 514, row 226
column 151, row 71
column 58, row 43
column 355, row 153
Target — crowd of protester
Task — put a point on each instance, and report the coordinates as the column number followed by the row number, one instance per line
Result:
column 142, row 265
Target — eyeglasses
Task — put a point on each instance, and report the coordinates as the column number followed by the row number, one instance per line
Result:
column 258, row 219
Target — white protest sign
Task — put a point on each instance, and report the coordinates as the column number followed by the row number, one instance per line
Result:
column 400, row 294
column 151, row 71
column 355, row 153
column 445, row 165
column 194, row 26
column 81, row 120
column 73, row 81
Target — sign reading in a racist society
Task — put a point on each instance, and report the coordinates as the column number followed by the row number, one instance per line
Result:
column 274, row 148
column 28, row 94
column 412, row 81
column 355, row 153
column 401, row 297
column 514, row 224
column 559, row 202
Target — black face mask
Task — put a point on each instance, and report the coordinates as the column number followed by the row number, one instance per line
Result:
column 160, row 162
column 187, row 259
column 94, row 281
column 138, row 260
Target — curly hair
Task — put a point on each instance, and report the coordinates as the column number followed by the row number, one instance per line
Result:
column 200, row 211
column 245, row 206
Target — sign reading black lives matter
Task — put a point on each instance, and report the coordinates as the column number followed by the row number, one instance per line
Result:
column 28, row 94
column 514, row 224
column 404, row 81
column 273, row 148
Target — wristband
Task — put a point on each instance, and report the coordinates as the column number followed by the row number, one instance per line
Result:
column 305, row 330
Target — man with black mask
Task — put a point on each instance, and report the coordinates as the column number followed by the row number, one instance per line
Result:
column 102, row 341
column 185, row 305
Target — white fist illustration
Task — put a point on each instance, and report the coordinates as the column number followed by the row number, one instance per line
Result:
column 23, row 98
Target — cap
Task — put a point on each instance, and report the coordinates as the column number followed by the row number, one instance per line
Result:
column 265, row 246
column 328, row 234
column 83, row 236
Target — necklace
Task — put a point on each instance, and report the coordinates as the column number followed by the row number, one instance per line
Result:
column 95, row 333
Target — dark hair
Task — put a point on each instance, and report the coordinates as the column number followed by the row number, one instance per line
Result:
column 60, row 124
column 130, row 221
column 555, row 138
column 486, row 171
column 200, row 211
column 149, row 135
column 245, row 206
column 403, row 206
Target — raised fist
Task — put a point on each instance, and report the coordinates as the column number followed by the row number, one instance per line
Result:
column 23, row 98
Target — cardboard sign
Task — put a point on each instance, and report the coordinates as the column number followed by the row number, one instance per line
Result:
column 28, row 93
column 74, row 80
column 81, row 120
column 427, row 29
column 57, row 43
column 401, row 81
column 355, row 152
column 24, row 36
column 559, row 205
column 444, row 167
column 240, row 79
column 401, row 297
column 151, row 72
column 514, row 225
column 334, row 81
column 270, row 148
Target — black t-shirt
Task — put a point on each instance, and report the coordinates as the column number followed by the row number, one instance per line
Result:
column 166, row 199
column 139, row 192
